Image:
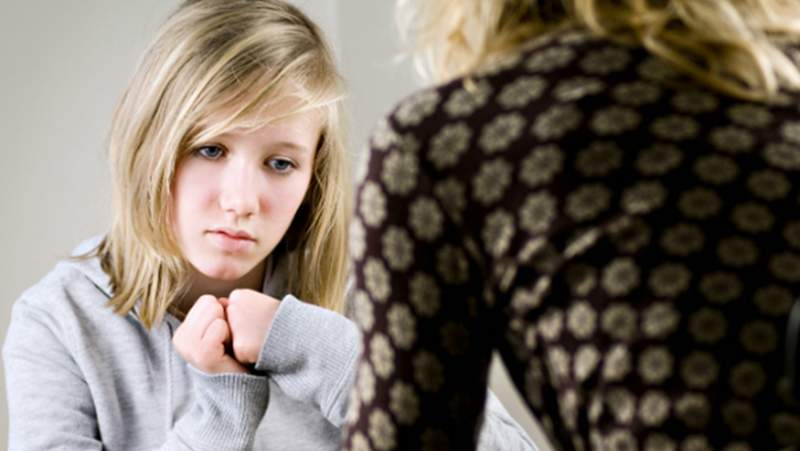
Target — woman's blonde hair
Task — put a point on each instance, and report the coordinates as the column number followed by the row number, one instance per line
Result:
column 212, row 56
column 734, row 46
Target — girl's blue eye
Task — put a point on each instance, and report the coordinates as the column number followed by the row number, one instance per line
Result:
column 210, row 152
column 281, row 165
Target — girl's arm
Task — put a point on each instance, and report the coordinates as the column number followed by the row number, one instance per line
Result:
column 53, row 405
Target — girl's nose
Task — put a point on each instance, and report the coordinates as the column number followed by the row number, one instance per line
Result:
column 239, row 193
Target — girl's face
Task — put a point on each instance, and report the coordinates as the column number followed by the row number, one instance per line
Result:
column 235, row 196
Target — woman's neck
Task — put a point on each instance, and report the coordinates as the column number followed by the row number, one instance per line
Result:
column 203, row 285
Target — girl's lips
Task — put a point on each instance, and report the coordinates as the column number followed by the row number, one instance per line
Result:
column 231, row 241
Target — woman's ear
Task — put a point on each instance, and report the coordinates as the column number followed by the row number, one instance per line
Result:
column 298, row 226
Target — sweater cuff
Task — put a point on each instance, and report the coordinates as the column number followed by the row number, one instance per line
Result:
column 227, row 411
column 311, row 353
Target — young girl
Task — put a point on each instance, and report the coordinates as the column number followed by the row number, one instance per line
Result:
column 231, row 189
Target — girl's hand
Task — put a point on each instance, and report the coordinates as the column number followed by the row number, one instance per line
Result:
column 250, row 315
column 203, row 336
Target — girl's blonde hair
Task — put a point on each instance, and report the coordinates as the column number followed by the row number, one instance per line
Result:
column 734, row 46
column 212, row 56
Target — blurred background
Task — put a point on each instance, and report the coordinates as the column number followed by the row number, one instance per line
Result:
column 65, row 64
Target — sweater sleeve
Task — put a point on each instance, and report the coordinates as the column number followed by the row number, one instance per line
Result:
column 51, row 403
column 311, row 354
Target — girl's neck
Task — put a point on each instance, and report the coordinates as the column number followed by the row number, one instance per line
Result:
column 203, row 285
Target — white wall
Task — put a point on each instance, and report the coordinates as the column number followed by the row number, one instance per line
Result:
column 64, row 64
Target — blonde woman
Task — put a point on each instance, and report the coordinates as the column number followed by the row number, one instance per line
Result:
column 231, row 189
column 606, row 193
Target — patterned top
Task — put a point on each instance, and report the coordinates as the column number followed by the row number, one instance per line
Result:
column 627, row 240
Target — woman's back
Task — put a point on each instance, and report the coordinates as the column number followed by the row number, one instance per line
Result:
column 629, row 240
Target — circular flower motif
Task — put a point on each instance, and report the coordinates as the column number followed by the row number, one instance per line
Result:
column 382, row 430
column 659, row 442
column 741, row 418
column 537, row 212
column 360, row 443
column 491, row 181
column 737, row 252
column 619, row 321
column 451, row 194
column 366, row 383
column 785, row 266
column 658, row 159
column 655, row 365
column 783, row 155
column 749, row 115
column 675, row 128
column 557, row 122
column 577, row 87
column 581, row 320
column 669, row 280
column 720, row 287
column 581, row 279
column 447, row 146
column 620, row 440
column 636, row 93
column 558, row 363
column 498, row 134
column 424, row 295
column 759, row 337
column 694, row 102
column 791, row 131
column 620, row 277
column 654, row 408
column 644, row 197
column 599, row 159
column 358, row 239
column 707, row 326
column 605, row 61
column 417, row 107
column 694, row 410
column 696, row 443
column 372, row 205
column 654, row 69
column 660, row 320
column 683, row 239
column 521, row 92
column 716, row 169
column 397, row 248
column 791, row 233
column 773, row 300
column 381, row 355
column 699, row 369
column 617, row 363
column 399, row 173
column 383, row 136
column 585, row 362
column 621, row 404
column 551, row 324
column 404, row 403
column 550, row 59
column 376, row 278
column 614, row 120
column 752, row 218
column 541, row 165
column 785, row 427
column 463, row 101
column 747, row 379
column 364, row 314
column 699, row 203
column 588, row 201
column 732, row 139
column 402, row 326
column 629, row 234
column 425, row 219
column 428, row 371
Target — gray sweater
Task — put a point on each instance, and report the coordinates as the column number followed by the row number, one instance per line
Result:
column 79, row 376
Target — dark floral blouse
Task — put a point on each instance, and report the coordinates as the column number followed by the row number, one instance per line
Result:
column 627, row 240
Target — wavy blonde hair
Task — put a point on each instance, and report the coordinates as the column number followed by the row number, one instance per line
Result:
column 734, row 46
column 211, row 56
